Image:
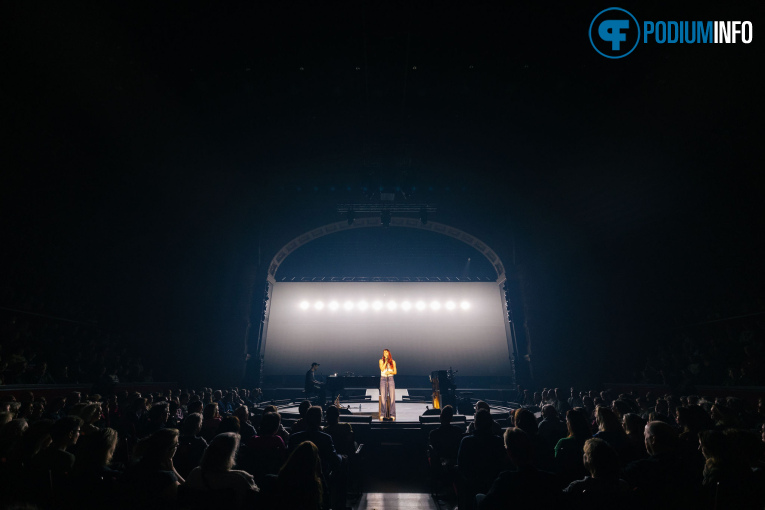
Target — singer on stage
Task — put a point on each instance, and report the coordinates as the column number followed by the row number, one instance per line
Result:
column 387, row 387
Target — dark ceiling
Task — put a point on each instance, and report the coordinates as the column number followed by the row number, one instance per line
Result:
column 154, row 152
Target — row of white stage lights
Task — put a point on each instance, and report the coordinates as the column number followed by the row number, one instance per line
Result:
column 390, row 305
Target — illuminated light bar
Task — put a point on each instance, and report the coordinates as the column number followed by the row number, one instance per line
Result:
column 378, row 305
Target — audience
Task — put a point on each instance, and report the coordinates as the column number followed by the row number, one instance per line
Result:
column 700, row 453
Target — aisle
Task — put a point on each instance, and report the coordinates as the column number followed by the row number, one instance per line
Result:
column 392, row 501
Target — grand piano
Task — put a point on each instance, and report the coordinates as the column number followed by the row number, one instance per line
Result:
column 337, row 384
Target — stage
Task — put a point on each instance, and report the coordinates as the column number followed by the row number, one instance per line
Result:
column 409, row 415
column 406, row 412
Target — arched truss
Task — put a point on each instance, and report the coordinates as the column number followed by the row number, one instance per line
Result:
column 395, row 222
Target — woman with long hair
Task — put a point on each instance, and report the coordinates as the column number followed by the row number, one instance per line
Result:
column 570, row 450
column 216, row 472
column 153, row 481
column 299, row 485
column 211, row 422
column 610, row 430
column 387, row 386
column 93, row 473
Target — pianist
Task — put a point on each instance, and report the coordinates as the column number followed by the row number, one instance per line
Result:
column 314, row 387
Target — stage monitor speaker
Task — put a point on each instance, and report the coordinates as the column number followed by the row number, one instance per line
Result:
column 430, row 412
column 344, row 411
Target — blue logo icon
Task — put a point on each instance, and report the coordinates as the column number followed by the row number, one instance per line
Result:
column 616, row 33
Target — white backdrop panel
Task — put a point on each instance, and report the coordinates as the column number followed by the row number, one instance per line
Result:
column 472, row 341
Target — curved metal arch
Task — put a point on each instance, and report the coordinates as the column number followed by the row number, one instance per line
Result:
column 370, row 222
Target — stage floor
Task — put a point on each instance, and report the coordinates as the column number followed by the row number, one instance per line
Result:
column 406, row 412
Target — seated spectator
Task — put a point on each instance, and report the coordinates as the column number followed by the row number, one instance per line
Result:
column 133, row 416
column 211, row 421
column 665, row 479
column 727, row 476
column 190, row 445
column 299, row 485
column 333, row 464
column 35, row 439
column 633, row 426
column 559, row 403
column 247, row 430
column 524, row 486
column 570, row 450
column 723, row 417
column 611, row 431
column 195, row 406
column 10, row 436
column 661, row 412
column 282, row 432
column 480, row 459
column 153, row 481
column 112, row 412
column 551, row 428
column 329, row 456
column 92, row 474
column 445, row 440
column 342, row 433
column 5, row 417
column 154, row 419
column 175, row 413
column 300, row 425
column 55, row 459
column 602, row 488
column 90, row 414
column 229, row 424
column 265, row 453
column 543, row 456
column 216, row 473
column 621, row 407
column 496, row 428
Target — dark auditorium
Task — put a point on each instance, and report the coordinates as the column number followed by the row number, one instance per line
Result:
column 379, row 255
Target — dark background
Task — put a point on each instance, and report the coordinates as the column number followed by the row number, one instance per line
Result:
column 155, row 156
